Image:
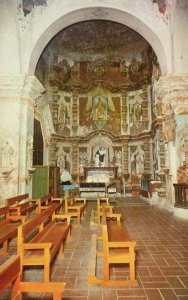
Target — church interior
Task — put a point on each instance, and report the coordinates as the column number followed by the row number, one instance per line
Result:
column 99, row 89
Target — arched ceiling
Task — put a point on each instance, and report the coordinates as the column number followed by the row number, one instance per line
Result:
column 86, row 53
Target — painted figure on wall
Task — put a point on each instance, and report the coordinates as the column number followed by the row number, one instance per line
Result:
column 169, row 123
column 7, row 155
column 100, row 111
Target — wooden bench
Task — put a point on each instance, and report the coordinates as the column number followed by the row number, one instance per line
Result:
column 40, row 238
column 117, row 249
column 10, row 274
column 75, row 207
column 20, row 206
column 8, row 228
column 45, row 201
column 103, row 202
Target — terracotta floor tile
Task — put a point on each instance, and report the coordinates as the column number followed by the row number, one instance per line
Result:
column 153, row 294
column 175, row 282
column 170, row 271
column 181, row 292
column 155, row 271
column 184, row 280
column 131, row 292
column 161, row 258
column 168, row 294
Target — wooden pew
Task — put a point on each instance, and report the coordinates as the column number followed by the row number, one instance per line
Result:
column 10, row 274
column 20, row 206
column 8, row 228
column 75, row 207
column 103, row 202
column 45, row 201
column 49, row 231
column 117, row 249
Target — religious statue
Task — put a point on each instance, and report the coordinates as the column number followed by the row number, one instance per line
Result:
column 100, row 157
column 138, row 112
column 100, row 110
column 118, row 155
column 169, row 123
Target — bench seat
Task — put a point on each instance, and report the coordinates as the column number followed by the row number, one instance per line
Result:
column 75, row 207
column 10, row 274
column 45, row 201
column 50, row 231
column 117, row 249
column 54, row 233
column 8, row 229
column 20, row 206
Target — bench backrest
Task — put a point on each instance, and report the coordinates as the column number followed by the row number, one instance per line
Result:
column 69, row 202
column 3, row 211
column 9, row 271
column 34, row 223
column 16, row 200
column 46, row 199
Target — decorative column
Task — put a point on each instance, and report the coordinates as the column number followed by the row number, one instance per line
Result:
column 124, row 111
column 125, row 157
column 173, row 92
column 75, row 121
column 18, row 95
column 75, row 160
column 151, row 157
column 146, row 157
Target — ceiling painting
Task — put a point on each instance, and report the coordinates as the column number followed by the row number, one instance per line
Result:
column 92, row 52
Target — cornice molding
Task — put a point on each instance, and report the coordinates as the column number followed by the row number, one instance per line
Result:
column 21, row 86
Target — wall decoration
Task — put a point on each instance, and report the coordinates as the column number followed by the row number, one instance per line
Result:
column 28, row 5
column 97, row 75
column 169, row 123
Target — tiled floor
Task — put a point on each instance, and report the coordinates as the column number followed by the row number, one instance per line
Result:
column 161, row 258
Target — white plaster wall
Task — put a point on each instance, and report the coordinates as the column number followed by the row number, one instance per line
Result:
column 10, row 126
column 9, row 39
column 180, row 43
column 142, row 16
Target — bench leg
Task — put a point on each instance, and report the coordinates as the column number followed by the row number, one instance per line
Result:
column 57, row 295
column 78, row 219
column 47, row 272
column 68, row 235
column 106, row 269
column 132, row 271
column 5, row 247
column 15, row 292
column 61, row 249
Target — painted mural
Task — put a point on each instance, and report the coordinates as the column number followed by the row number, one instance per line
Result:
column 28, row 5
column 98, row 76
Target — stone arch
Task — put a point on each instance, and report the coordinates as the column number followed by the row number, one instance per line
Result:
column 148, row 31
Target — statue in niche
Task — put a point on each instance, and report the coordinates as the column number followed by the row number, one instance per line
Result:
column 81, row 169
column 100, row 157
column 169, row 123
column 118, row 156
column 62, row 114
column 7, row 155
column 138, row 112
column 139, row 163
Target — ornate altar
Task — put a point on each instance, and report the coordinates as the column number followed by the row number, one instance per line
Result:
column 100, row 174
